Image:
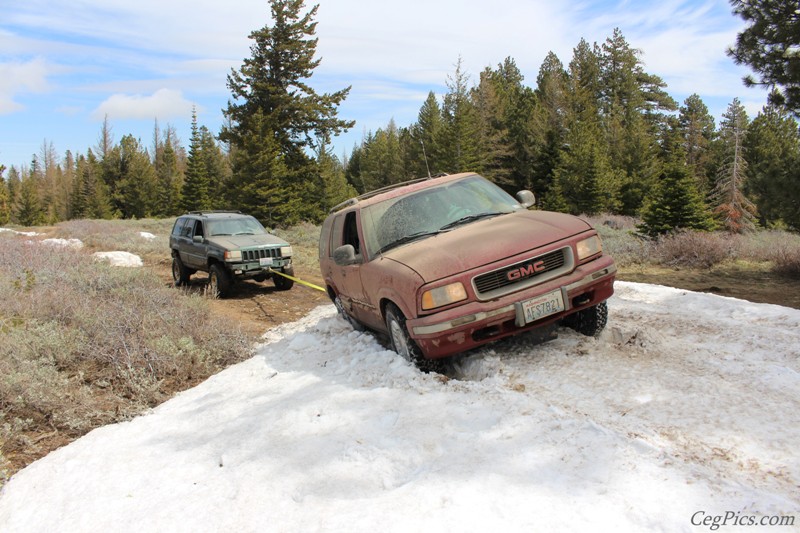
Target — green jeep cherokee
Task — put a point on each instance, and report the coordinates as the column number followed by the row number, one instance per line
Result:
column 229, row 246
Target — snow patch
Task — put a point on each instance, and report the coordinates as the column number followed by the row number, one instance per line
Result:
column 686, row 409
column 120, row 259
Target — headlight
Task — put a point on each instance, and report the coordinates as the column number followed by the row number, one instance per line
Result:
column 286, row 251
column 440, row 296
column 589, row 247
column 233, row 255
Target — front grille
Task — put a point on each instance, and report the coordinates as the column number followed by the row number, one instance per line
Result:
column 499, row 279
column 255, row 255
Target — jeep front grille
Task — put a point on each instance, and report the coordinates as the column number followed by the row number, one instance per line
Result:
column 523, row 274
column 255, row 255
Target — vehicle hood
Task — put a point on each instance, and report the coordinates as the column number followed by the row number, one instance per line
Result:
column 235, row 242
column 485, row 241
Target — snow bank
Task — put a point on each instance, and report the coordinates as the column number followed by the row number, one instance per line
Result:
column 687, row 403
column 121, row 259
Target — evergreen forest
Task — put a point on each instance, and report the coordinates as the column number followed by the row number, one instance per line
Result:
column 597, row 134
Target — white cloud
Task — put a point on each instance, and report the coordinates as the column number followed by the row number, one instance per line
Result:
column 18, row 77
column 162, row 104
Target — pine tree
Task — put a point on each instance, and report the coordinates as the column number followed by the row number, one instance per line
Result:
column 278, row 116
column 28, row 210
column 546, row 130
column 698, row 131
column 426, row 137
column 584, row 174
column 91, row 199
column 135, row 191
column 773, row 156
column 5, row 201
column 195, row 194
column 490, row 99
column 632, row 104
column 676, row 203
column 459, row 144
column 735, row 211
column 770, row 45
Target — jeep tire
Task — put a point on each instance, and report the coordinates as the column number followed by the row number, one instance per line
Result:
column 281, row 283
column 219, row 281
column 180, row 274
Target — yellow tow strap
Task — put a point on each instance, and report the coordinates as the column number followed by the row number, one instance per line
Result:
column 300, row 281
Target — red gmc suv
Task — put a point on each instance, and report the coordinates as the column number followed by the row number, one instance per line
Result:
column 445, row 264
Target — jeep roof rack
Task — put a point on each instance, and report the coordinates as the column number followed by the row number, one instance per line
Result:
column 209, row 211
column 355, row 200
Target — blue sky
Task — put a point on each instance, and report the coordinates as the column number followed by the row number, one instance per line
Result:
column 64, row 66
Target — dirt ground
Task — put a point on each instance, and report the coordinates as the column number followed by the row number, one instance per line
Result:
column 755, row 285
column 257, row 307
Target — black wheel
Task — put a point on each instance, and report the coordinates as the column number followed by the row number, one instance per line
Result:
column 589, row 321
column 180, row 274
column 219, row 281
column 404, row 345
column 358, row 326
column 281, row 283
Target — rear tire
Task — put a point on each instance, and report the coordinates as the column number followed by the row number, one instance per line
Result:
column 219, row 281
column 180, row 274
column 590, row 321
column 404, row 345
column 355, row 324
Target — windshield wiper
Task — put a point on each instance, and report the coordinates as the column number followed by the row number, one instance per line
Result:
column 407, row 238
column 470, row 218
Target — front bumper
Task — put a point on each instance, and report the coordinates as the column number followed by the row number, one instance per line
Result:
column 252, row 269
column 476, row 323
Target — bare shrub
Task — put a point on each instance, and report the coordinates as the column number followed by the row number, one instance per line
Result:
column 83, row 343
column 304, row 239
column 125, row 235
column 695, row 249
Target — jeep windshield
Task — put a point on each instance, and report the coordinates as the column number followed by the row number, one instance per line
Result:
column 235, row 226
column 430, row 211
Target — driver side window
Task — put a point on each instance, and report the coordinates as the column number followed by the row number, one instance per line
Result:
column 350, row 235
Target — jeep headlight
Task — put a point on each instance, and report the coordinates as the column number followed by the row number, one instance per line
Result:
column 286, row 251
column 233, row 255
column 589, row 247
column 441, row 296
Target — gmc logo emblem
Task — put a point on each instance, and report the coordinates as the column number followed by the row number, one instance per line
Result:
column 525, row 271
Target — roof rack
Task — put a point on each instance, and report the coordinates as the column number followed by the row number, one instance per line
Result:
column 355, row 200
column 209, row 211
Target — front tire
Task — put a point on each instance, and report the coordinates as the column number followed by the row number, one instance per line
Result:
column 590, row 321
column 404, row 345
column 281, row 283
column 219, row 281
column 180, row 274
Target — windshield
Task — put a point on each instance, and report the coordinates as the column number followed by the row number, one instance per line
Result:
column 430, row 211
column 235, row 226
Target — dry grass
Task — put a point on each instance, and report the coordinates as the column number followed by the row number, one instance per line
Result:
column 83, row 343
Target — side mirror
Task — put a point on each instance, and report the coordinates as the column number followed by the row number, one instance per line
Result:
column 344, row 255
column 526, row 198
column 197, row 238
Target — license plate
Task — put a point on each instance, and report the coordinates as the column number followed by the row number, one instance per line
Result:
column 542, row 306
column 265, row 261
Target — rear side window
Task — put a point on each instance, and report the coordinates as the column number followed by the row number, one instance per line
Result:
column 186, row 229
column 176, row 229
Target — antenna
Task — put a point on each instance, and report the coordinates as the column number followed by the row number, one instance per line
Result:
column 426, row 159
